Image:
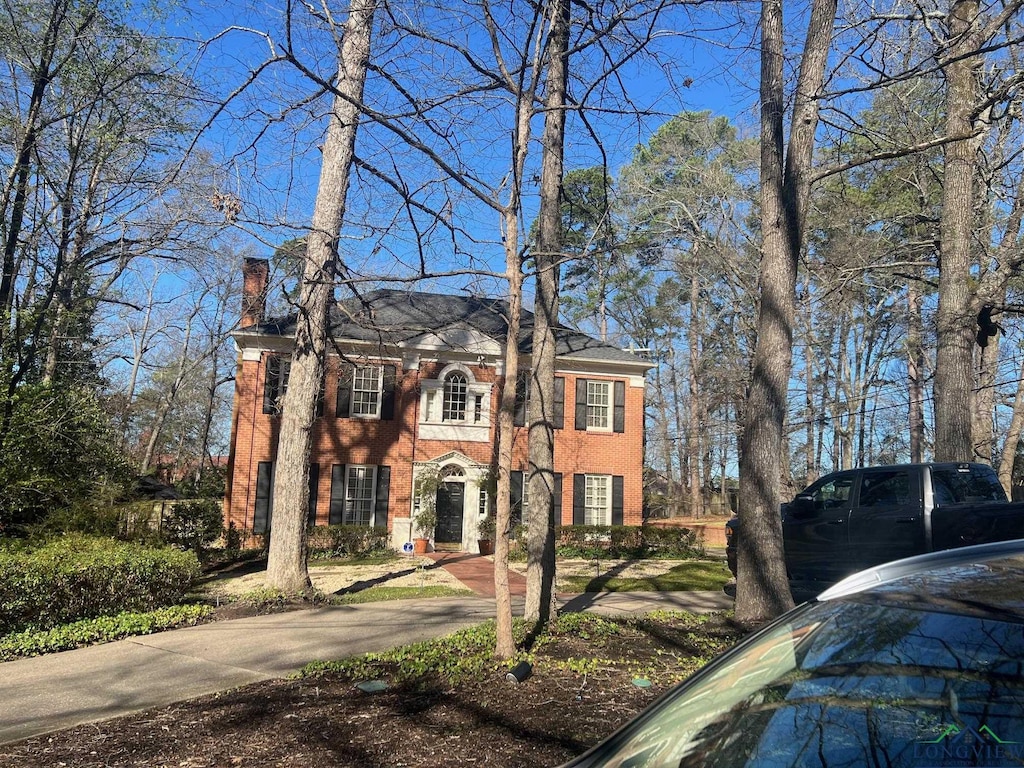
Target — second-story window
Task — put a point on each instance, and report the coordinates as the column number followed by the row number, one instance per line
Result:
column 366, row 388
column 366, row 391
column 455, row 406
column 275, row 383
column 454, row 403
column 598, row 405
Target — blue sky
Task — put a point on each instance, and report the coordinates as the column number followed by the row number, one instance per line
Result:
column 697, row 60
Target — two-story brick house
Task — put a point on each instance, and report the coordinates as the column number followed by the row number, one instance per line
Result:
column 411, row 388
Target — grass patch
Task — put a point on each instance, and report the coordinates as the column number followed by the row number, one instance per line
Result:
column 382, row 593
column 690, row 576
column 103, row 629
column 461, row 655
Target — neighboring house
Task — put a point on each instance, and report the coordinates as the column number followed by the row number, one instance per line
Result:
column 411, row 390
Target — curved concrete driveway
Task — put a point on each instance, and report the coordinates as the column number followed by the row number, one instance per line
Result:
column 47, row 693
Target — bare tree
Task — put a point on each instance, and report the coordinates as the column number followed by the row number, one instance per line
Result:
column 762, row 589
column 547, row 255
column 286, row 560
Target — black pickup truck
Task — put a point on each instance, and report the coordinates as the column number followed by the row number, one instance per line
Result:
column 851, row 520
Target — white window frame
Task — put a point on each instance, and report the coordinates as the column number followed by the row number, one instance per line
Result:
column 355, row 474
column 597, row 505
column 455, row 392
column 599, row 405
column 281, row 376
column 476, row 421
column 378, row 393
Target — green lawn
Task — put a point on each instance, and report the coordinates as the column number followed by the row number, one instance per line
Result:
column 381, row 593
column 690, row 576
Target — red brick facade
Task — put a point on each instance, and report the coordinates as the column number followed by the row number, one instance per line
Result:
column 412, row 432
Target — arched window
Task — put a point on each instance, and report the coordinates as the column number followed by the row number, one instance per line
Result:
column 455, row 393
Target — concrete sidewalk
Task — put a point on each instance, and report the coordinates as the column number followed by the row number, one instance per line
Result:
column 47, row 693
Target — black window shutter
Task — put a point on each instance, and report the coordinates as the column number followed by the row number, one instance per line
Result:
column 343, row 404
column 264, row 482
column 321, row 395
column 337, row 508
column 314, row 482
column 558, row 418
column 556, row 511
column 619, row 412
column 516, row 493
column 616, row 499
column 579, row 499
column 270, row 380
column 387, row 396
column 522, row 387
column 380, row 504
column 581, row 403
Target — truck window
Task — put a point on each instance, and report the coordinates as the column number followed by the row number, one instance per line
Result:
column 885, row 489
column 951, row 486
column 835, row 493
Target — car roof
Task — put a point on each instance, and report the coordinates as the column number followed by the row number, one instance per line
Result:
column 987, row 579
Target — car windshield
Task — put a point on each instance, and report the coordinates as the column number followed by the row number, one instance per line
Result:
column 847, row 684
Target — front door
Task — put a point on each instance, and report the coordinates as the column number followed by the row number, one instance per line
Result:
column 449, row 513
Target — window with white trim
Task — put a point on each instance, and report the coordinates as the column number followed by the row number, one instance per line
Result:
column 275, row 383
column 359, row 488
column 598, row 500
column 599, row 404
column 456, row 389
column 454, row 406
column 366, row 390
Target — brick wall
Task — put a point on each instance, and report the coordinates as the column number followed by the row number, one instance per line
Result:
column 395, row 443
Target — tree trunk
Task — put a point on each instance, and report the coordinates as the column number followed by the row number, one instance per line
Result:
column 540, row 563
column 504, row 646
column 810, row 467
column 955, row 323
column 915, row 371
column 286, row 561
column 696, row 427
column 169, row 398
column 1009, row 455
column 671, row 498
column 762, row 589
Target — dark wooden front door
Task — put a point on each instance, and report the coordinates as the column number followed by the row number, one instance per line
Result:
column 449, row 513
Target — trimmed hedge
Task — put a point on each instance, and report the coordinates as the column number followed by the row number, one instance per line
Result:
column 627, row 542
column 347, row 541
column 77, row 577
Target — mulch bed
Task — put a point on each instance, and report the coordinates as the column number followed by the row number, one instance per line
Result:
column 554, row 715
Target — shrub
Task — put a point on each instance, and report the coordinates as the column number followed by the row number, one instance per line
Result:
column 100, row 630
column 77, row 577
column 194, row 524
column 347, row 541
column 626, row 542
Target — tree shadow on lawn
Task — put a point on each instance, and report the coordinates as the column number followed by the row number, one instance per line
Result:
column 384, row 578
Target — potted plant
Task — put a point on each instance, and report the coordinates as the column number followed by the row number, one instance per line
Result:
column 424, row 524
column 425, row 521
column 485, row 534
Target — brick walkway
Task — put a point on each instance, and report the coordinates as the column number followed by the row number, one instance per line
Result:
column 477, row 572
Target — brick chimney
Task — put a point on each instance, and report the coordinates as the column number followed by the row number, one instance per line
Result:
column 255, row 279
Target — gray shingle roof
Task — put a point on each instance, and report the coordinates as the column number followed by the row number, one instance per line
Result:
column 395, row 317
